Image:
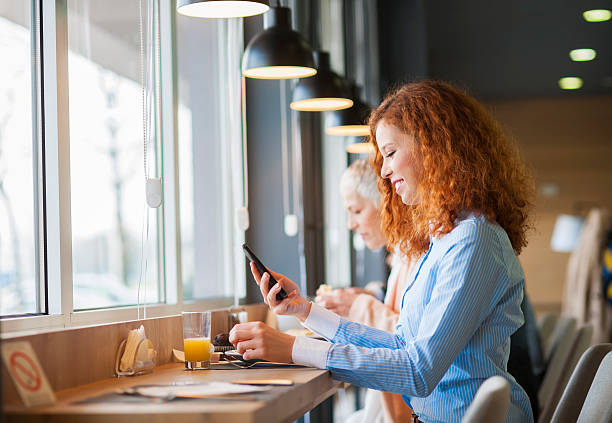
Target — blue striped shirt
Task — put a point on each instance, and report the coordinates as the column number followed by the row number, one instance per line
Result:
column 453, row 332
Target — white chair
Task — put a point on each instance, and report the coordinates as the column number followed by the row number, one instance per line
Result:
column 563, row 369
column 557, row 354
column 490, row 403
column 546, row 325
column 564, row 328
column 577, row 388
column 597, row 405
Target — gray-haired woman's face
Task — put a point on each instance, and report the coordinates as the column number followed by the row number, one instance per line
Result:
column 363, row 218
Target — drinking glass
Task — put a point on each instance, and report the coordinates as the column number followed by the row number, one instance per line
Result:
column 196, row 339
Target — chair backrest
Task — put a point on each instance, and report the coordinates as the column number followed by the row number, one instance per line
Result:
column 575, row 392
column 581, row 340
column 490, row 403
column 559, row 356
column 564, row 328
column 597, row 405
column 546, row 325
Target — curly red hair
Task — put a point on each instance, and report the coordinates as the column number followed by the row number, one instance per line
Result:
column 465, row 163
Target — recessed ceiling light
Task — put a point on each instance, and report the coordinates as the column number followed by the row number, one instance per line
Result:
column 597, row 15
column 570, row 83
column 582, row 54
column 550, row 189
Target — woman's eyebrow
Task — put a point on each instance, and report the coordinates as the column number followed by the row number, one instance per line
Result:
column 386, row 146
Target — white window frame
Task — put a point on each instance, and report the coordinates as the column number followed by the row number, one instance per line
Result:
column 58, row 245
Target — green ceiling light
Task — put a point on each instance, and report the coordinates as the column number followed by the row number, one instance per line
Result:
column 582, row 54
column 325, row 91
column 570, row 83
column 278, row 52
column 351, row 121
column 221, row 8
column 597, row 15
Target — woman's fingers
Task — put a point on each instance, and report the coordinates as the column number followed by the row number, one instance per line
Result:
column 248, row 338
column 243, row 332
column 263, row 286
column 252, row 353
column 272, row 294
column 255, row 272
column 243, row 346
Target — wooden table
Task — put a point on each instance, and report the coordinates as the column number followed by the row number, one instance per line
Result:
column 279, row 404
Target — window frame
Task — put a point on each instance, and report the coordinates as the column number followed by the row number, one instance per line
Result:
column 55, row 211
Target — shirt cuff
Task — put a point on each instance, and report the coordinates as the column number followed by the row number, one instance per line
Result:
column 322, row 321
column 310, row 352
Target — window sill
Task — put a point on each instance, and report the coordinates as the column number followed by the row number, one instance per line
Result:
column 19, row 326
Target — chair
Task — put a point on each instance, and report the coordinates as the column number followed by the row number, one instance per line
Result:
column 490, row 403
column 546, row 325
column 597, row 405
column 564, row 328
column 556, row 355
column 561, row 367
column 575, row 392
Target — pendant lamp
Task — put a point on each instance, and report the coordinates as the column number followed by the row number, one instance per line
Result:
column 278, row 52
column 325, row 91
column 360, row 147
column 221, row 8
column 351, row 121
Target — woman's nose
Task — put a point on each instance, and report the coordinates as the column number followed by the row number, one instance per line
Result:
column 351, row 224
column 385, row 172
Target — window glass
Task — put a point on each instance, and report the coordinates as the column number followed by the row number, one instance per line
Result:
column 114, row 242
column 210, row 162
column 19, row 250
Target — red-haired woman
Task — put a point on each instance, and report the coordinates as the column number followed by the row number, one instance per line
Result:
column 455, row 191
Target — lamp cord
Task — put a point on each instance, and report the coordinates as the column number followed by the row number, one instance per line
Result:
column 245, row 166
column 284, row 149
column 315, row 25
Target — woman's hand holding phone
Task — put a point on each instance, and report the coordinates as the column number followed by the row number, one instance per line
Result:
column 295, row 304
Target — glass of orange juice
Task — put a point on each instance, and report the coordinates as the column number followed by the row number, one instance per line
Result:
column 196, row 339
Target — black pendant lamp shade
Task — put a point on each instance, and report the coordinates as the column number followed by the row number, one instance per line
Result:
column 278, row 52
column 351, row 121
column 221, row 8
column 325, row 91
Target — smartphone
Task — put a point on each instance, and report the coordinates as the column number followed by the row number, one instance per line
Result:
column 262, row 269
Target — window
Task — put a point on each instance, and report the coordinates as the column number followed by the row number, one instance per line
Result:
column 98, row 236
column 20, row 288
column 110, row 227
column 210, row 161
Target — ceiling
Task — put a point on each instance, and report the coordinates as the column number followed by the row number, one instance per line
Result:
column 517, row 49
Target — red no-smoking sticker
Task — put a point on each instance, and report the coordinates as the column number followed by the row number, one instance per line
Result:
column 25, row 372
column 27, row 375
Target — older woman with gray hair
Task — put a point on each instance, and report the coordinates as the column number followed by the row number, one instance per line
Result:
column 361, row 199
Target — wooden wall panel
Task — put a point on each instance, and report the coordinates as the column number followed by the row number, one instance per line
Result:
column 72, row 357
column 566, row 141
